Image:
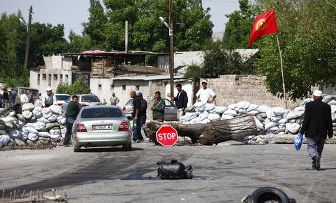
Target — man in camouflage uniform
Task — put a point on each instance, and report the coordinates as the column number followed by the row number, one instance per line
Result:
column 158, row 107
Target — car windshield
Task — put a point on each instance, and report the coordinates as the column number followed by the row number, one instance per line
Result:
column 90, row 98
column 62, row 97
column 101, row 113
column 129, row 103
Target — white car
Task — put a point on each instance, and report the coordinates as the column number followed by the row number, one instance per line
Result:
column 61, row 99
column 101, row 126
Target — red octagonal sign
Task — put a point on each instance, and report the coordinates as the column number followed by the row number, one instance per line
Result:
column 166, row 136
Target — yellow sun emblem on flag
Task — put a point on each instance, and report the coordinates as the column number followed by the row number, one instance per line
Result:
column 261, row 25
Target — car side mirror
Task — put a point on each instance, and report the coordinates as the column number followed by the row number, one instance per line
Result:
column 129, row 118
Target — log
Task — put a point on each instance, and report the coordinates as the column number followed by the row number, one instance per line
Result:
column 210, row 133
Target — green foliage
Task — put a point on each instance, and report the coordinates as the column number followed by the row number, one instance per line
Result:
column 308, row 43
column 192, row 25
column 237, row 29
column 78, row 87
column 218, row 61
column 193, row 71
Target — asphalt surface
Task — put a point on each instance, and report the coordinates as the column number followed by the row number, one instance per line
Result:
column 222, row 173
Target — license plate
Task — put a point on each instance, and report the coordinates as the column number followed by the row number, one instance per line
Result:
column 102, row 127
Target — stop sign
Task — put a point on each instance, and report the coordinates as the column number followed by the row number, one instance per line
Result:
column 166, row 136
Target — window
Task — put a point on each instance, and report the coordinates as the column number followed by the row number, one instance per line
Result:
column 124, row 87
column 61, row 77
column 49, row 79
column 38, row 79
column 66, row 78
column 101, row 113
column 99, row 86
column 137, row 87
column 112, row 87
column 55, row 77
column 44, row 76
column 90, row 98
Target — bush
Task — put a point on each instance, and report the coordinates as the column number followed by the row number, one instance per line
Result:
column 78, row 87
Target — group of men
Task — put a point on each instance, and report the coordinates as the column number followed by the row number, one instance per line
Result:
column 7, row 97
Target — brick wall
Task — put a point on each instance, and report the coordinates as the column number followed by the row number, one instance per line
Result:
column 234, row 88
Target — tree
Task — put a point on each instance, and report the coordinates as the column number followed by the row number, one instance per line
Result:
column 79, row 43
column 237, row 29
column 192, row 25
column 219, row 61
column 308, row 42
column 78, row 87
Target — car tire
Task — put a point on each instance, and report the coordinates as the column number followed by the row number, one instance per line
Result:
column 77, row 149
column 127, row 147
column 269, row 193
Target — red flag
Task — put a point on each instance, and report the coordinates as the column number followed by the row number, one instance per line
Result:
column 264, row 24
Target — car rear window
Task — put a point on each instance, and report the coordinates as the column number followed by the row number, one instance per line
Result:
column 129, row 103
column 62, row 97
column 90, row 98
column 101, row 113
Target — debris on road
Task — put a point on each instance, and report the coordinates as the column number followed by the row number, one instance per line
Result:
column 174, row 170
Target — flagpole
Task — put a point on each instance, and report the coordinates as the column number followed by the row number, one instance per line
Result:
column 282, row 73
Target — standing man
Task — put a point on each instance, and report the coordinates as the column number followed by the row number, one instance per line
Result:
column 181, row 99
column 158, row 107
column 139, row 115
column 5, row 98
column 317, row 124
column 205, row 95
column 70, row 115
column 48, row 99
column 114, row 99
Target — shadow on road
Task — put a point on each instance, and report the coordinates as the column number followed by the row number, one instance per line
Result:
column 108, row 149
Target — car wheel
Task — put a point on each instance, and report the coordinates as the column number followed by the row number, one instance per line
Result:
column 77, row 149
column 127, row 147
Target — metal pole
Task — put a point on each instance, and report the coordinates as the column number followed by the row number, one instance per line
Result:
column 282, row 73
column 171, row 48
column 126, row 36
column 28, row 37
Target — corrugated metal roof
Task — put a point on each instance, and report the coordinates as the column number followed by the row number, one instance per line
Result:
column 148, row 78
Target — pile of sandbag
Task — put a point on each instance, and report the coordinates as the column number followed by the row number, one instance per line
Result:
column 34, row 125
column 269, row 120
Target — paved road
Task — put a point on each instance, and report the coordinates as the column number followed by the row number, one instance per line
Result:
column 223, row 173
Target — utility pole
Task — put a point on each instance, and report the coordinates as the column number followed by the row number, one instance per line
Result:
column 28, row 36
column 126, row 36
column 171, row 48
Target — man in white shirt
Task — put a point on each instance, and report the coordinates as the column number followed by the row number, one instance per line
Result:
column 49, row 98
column 205, row 95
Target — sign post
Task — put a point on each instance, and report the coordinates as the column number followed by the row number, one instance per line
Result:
column 167, row 136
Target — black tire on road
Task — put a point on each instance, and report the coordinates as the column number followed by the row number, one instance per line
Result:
column 269, row 193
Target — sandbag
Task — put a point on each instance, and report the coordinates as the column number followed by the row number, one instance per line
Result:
column 202, row 116
column 243, row 105
column 293, row 128
column 52, row 118
column 37, row 112
column 51, row 125
column 30, row 129
column 27, row 114
column 21, row 117
column 278, row 111
column 28, row 107
column 44, row 134
column 209, row 106
column 4, row 140
column 252, row 107
column 327, row 98
column 205, row 121
column 32, row 136
column 270, row 125
column 14, row 133
column 55, row 134
column 230, row 112
column 220, row 109
column 214, row 117
column 263, row 108
column 332, row 102
column 61, row 120
column 259, row 125
column 43, row 120
column 253, row 112
column 38, row 125
column 226, row 117
column 55, row 109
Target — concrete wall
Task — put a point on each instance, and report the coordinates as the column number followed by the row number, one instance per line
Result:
column 234, row 88
column 43, row 78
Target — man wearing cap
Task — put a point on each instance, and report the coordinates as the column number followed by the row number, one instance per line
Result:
column 205, row 95
column 48, row 99
column 317, row 124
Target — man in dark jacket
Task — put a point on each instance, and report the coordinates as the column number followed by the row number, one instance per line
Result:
column 70, row 115
column 181, row 99
column 139, row 115
column 317, row 124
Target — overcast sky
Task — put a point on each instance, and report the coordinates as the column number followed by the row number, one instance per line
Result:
column 72, row 13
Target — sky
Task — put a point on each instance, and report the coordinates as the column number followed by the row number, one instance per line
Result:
column 72, row 13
